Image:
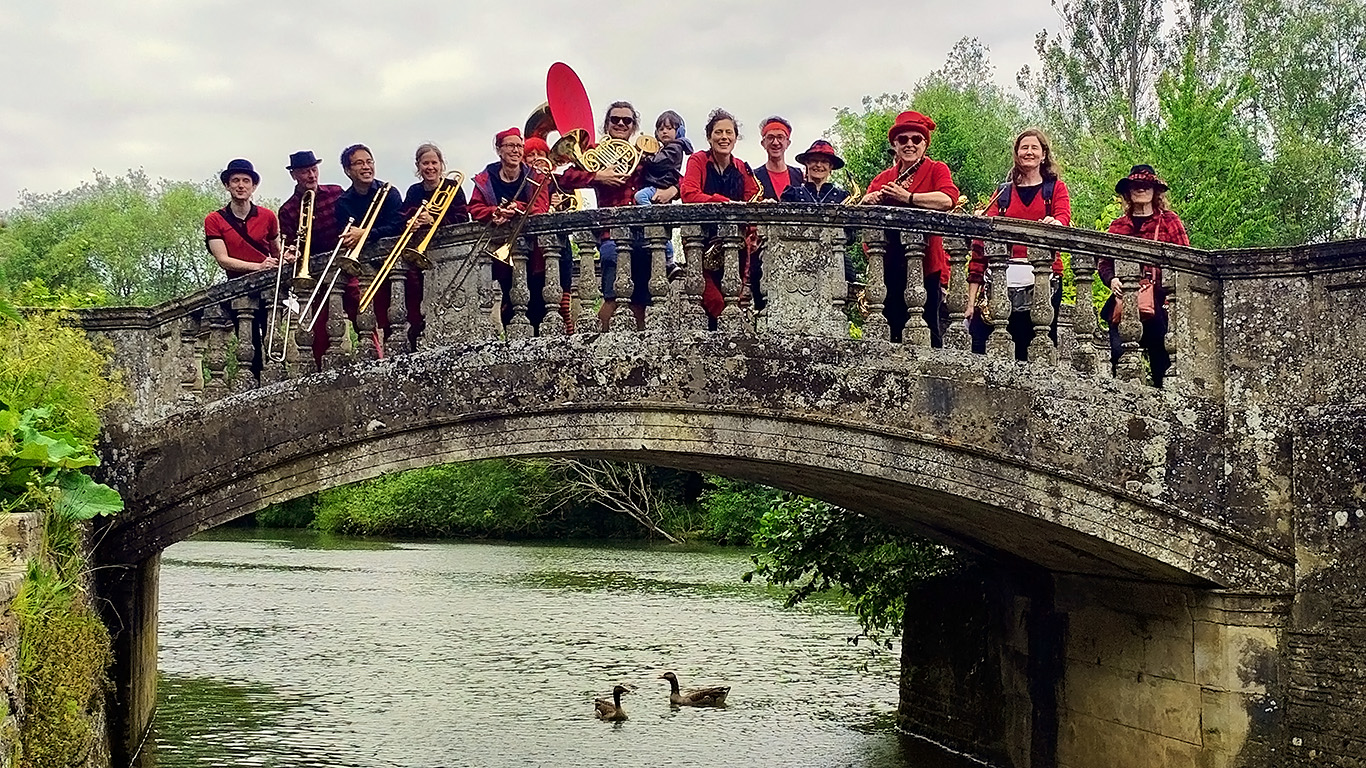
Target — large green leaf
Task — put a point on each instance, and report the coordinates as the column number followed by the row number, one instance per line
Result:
column 82, row 498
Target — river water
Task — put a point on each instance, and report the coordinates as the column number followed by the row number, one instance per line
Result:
column 296, row 650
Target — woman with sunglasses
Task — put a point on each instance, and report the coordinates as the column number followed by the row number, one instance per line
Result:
column 1033, row 193
column 914, row 181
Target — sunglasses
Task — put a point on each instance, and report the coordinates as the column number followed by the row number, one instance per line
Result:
column 619, row 120
column 911, row 138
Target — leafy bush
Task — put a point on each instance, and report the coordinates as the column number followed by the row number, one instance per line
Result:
column 734, row 509
column 46, row 363
column 811, row 546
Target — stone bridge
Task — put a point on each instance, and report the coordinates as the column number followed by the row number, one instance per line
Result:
column 1165, row 577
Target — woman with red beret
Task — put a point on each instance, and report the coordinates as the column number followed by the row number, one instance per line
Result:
column 914, row 181
column 1147, row 215
column 1034, row 193
column 714, row 175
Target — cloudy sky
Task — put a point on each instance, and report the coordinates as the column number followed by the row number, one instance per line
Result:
column 179, row 87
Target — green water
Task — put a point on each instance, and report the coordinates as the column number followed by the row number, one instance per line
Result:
column 297, row 651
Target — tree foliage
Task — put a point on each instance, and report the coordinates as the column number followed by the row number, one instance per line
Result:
column 126, row 239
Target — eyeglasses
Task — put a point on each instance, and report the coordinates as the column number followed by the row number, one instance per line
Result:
column 914, row 138
column 510, row 145
column 362, row 163
column 619, row 120
column 774, row 137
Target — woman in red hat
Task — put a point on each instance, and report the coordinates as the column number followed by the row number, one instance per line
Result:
column 914, row 181
column 1147, row 215
column 714, row 175
column 1034, row 193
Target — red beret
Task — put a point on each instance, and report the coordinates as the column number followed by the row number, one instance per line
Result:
column 498, row 137
column 536, row 144
column 911, row 121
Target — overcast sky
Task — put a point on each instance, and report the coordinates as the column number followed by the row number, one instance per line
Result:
column 179, row 87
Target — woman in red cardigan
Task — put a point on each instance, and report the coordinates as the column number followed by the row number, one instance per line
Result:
column 714, row 175
column 1147, row 215
column 1034, row 193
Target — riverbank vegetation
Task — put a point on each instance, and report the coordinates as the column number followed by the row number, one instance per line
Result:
column 53, row 385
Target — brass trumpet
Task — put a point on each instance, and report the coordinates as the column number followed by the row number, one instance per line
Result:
column 302, row 280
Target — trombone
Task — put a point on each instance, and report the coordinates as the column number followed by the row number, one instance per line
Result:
column 503, row 252
column 344, row 262
column 436, row 207
column 302, row 280
column 312, row 309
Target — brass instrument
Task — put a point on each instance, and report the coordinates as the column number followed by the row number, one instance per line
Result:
column 503, row 252
column 961, row 206
column 617, row 154
column 758, row 196
column 436, row 207
column 312, row 309
column 302, row 280
column 569, row 201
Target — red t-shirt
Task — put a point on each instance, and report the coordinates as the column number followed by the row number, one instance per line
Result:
column 260, row 226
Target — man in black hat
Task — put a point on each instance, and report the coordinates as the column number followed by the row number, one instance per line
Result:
column 242, row 236
column 303, row 168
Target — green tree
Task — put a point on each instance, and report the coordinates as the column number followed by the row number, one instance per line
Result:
column 127, row 238
column 975, row 119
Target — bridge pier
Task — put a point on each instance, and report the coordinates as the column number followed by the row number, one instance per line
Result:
column 128, row 598
column 1029, row 669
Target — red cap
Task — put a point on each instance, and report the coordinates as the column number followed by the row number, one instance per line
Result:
column 536, row 144
column 498, row 137
column 911, row 121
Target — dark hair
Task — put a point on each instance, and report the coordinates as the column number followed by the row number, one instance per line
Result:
column 1160, row 203
column 719, row 114
column 776, row 119
column 1047, row 168
column 351, row 150
column 670, row 118
column 607, row 116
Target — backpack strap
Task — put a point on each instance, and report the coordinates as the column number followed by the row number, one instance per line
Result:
column 1003, row 198
column 1048, row 185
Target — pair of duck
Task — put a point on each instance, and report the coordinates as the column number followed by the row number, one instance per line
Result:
column 695, row 697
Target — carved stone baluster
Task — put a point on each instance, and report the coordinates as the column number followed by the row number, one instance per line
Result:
column 396, row 340
column 1130, row 328
column 999, row 344
column 1041, row 347
column 519, row 327
column 220, row 324
column 367, row 326
column 732, row 318
column 587, row 288
column 243, row 378
column 192, row 353
column 336, row 332
column 694, row 315
column 876, row 326
column 657, row 317
column 623, row 319
column 554, row 247
column 301, row 363
column 1179, row 332
column 490, row 298
column 916, row 333
column 956, row 337
column 835, row 241
column 1084, row 357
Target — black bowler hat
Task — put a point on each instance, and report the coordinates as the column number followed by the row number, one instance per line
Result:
column 240, row 166
column 300, row 160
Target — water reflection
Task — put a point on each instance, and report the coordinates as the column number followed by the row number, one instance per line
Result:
column 277, row 652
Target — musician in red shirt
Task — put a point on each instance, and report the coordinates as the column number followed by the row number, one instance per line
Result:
column 915, row 181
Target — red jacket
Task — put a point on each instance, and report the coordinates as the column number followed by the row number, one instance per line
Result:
column 1165, row 227
column 1035, row 211
column 931, row 176
column 483, row 202
column 695, row 177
